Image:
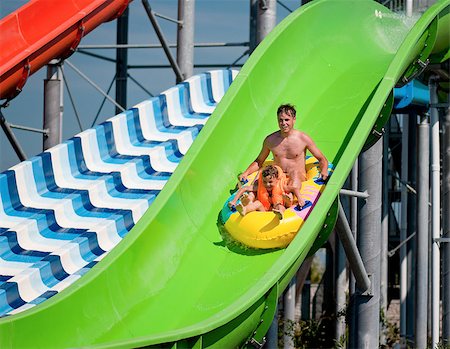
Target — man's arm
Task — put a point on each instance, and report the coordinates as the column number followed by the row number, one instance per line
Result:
column 257, row 164
column 315, row 151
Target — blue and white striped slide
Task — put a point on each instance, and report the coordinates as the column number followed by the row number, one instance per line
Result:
column 63, row 210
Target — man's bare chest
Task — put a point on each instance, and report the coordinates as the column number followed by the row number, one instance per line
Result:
column 288, row 149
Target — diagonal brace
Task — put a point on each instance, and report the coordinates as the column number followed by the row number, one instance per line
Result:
column 351, row 251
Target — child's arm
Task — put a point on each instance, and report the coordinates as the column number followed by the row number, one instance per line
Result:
column 239, row 193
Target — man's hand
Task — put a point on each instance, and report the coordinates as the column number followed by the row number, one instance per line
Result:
column 324, row 176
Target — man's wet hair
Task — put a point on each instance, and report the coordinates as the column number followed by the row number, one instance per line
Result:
column 271, row 171
column 287, row 109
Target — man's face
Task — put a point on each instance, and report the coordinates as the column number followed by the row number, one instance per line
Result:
column 285, row 122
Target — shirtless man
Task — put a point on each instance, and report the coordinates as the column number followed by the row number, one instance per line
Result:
column 288, row 147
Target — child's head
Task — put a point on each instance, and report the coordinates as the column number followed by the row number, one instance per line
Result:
column 269, row 177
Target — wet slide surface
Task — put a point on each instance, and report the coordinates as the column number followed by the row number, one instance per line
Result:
column 173, row 278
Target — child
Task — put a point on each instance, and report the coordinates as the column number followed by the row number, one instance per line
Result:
column 267, row 193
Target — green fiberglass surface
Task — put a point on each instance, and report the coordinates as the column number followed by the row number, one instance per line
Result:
column 174, row 278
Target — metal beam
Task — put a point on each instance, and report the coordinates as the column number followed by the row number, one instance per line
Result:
column 435, row 215
column 423, row 182
column 122, row 61
column 266, row 18
column 12, row 138
column 52, row 106
column 185, row 38
column 366, row 309
column 162, row 39
column 446, row 235
column 351, row 251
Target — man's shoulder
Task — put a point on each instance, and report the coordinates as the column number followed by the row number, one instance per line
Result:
column 273, row 136
column 300, row 134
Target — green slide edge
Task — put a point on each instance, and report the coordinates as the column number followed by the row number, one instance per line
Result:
column 174, row 281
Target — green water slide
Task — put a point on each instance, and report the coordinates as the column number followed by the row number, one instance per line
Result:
column 173, row 281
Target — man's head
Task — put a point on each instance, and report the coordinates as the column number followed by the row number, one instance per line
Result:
column 269, row 177
column 286, row 117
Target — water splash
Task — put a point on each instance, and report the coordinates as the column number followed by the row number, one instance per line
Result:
column 392, row 28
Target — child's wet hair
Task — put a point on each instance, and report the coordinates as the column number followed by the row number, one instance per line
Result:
column 271, row 171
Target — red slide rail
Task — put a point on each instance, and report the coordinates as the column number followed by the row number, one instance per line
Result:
column 43, row 30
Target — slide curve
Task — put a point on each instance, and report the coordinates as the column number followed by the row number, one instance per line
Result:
column 171, row 279
column 28, row 42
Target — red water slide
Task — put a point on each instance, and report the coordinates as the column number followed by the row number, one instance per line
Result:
column 43, row 30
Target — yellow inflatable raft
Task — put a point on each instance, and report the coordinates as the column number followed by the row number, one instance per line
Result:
column 263, row 229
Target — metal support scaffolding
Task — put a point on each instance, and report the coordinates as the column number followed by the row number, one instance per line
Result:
column 403, row 227
column 253, row 19
column 122, row 61
column 351, row 251
column 366, row 308
column 446, row 234
column 435, row 213
column 421, row 283
column 185, row 37
column 384, row 232
column 289, row 313
column 12, row 138
column 163, row 41
column 412, row 230
column 53, row 105
column 266, row 18
column 341, row 287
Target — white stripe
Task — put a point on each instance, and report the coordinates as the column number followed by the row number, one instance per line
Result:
column 65, row 214
column 27, row 231
column 158, row 157
column 97, row 189
column 128, row 171
column 198, row 101
column 174, row 112
column 217, row 84
column 12, row 268
column 29, row 284
column 151, row 132
column 70, row 257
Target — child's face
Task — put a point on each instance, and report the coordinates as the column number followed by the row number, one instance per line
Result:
column 269, row 182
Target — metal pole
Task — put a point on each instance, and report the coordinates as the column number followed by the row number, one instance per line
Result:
column 412, row 230
column 253, row 21
column 52, row 106
column 367, row 306
column 163, row 41
column 289, row 314
column 185, row 37
column 341, row 287
column 384, row 231
column 12, row 138
column 267, row 18
column 446, row 234
column 351, row 251
column 122, row 61
column 435, row 213
column 351, row 278
column 423, row 181
column 409, row 8
column 403, row 227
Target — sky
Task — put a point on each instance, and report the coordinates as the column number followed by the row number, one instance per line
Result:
column 225, row 21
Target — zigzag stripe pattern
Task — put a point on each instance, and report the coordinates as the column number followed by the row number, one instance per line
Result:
column 63, row 210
